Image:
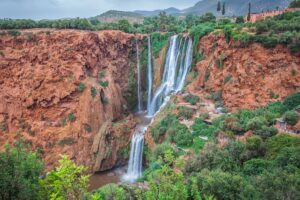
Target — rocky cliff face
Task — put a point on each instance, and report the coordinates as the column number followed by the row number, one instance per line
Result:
column 246, row 77
column 62, row 92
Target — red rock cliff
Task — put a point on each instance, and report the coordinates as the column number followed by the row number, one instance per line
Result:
column 247, row 77
column 40, row 73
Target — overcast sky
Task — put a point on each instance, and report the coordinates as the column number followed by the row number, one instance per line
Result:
column 52, row 9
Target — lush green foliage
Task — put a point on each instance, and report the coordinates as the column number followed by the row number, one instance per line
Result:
column 291, row 117
column 68, row 181
column 192, row 99
column 81, row 87
column 185, row 112
column 19, row 174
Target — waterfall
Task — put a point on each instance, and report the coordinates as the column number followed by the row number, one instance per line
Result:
column 136, row 155
column 177, row 64
column 149, row 73
column 173, row 80
column 139, row 92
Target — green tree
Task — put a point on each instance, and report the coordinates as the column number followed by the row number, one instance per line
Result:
column 163, row 21
column 125, row 26
column 240, row 20
column 68, row 181
column 219, row 6
column 19, row 173
column 166, row 184
column 295, row 4
column 223, row 9
column 249, row 12
column 291, row 117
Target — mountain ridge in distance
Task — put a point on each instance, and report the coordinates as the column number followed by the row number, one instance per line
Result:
column 233, row 8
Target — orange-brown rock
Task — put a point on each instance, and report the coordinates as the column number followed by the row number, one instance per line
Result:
column 40, row 73
column 247, row 77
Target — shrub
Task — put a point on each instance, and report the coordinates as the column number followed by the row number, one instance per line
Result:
column 257, row 166
column 199, row 128
column 161, row 128
column 68, row 181
column 293, row 72
column 256, row 123
column 227, row 79
column 192, row 99
column 185, row 112
column 104, row 84
column 266, row 132
column 221, row 185
column 204, row 116
column 183, row 137
column 278, row 142
column 291, row 117
column 216, row 96
column 165, row 182
column 269, row 42
column 14, row 33
column 93, row 92
column 254, row 143
column 240, row 20
column 20, row 172
column 221, row 60
column 71, row 117
column 160, row 149
column 81, row 87
column 286, row 38
column 292, row 101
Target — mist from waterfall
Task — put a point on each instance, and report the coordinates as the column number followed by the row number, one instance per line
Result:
column 177, row 65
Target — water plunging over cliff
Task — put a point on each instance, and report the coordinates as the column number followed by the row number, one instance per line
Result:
column 177, row 65
column 149, row 73
column 139, row 92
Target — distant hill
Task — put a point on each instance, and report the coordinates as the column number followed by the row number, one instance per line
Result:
column 115, row 16
column 235, row 7
column 169, row 11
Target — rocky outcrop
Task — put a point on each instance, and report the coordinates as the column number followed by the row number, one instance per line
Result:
column 247, row 77
column 62, row 92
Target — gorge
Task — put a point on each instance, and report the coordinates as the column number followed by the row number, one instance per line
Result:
column 174, row 108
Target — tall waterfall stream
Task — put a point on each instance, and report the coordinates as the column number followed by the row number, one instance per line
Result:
column 177, row 65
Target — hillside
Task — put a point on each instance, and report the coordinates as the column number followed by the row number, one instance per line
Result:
column 169, row 11
column 236, row 7
column 115, row 16
column 233, row 8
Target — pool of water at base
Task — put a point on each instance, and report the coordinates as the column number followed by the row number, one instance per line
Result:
column 100, row 179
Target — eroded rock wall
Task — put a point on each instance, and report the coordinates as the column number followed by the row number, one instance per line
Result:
column 54, row 94
column 247, row 77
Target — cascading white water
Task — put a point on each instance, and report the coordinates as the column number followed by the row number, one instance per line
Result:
column 136, row 155
column 139, row 92
column 177, row 65
column 149, row 73
column 173, row 81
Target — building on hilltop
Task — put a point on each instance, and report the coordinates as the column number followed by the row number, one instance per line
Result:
column 262, row 16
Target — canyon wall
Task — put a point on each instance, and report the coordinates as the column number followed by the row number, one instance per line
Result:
column 62, row 92
column 247, row 77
